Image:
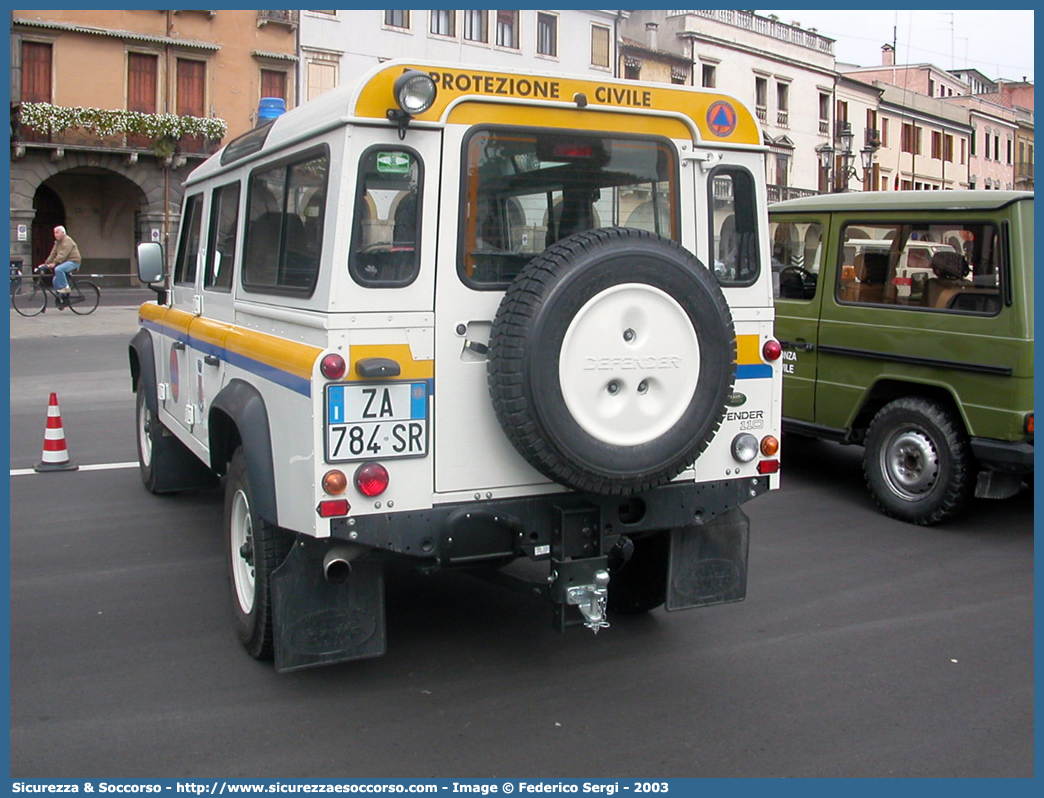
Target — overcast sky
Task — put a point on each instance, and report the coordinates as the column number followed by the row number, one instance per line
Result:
column 997, row 43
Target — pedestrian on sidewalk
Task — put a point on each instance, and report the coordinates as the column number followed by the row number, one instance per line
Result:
column 65, row 258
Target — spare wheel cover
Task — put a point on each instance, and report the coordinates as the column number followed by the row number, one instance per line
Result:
column 611, row 358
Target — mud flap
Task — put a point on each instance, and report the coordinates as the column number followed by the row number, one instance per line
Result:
column 319, row 623
column 709, row 562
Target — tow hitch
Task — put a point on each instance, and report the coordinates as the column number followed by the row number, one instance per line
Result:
column 591, row 600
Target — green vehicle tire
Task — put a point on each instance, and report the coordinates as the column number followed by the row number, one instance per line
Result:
column 918, row 462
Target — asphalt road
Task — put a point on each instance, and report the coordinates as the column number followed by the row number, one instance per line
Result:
column 866, row 647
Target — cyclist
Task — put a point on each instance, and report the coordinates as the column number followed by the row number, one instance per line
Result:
column 65, row 258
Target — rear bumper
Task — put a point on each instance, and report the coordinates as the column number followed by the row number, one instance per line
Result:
column 481, row 532
column 1013, row 457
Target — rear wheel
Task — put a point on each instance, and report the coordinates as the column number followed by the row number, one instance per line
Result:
column 83, row 297
column 28, row 298
column 256, row 548
column 917, row 461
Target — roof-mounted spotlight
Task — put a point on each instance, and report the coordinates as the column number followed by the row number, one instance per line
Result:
column 414, row 94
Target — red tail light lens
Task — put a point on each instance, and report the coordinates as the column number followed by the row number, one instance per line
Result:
column 771, row 350
column 332, row 366
column 333, row 508
column 1029, row 423
column 768, row 466
column 371, row 479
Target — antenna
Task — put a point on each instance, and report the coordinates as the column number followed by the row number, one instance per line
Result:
column 953, row 64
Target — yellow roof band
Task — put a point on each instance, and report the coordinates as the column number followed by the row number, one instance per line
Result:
column 717, row 117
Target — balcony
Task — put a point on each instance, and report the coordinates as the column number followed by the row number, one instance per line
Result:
column 762, row 112
column 872, row 137
column 166, row 136
column 766, row 26
column 782, row 118
column 777, row 193
column 288, row 18
column 1024, row 170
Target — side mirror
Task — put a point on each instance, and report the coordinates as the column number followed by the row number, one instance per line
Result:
column 150, row 268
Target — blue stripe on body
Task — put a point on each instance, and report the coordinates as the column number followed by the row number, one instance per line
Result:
column 753, row 371
column 268, row 372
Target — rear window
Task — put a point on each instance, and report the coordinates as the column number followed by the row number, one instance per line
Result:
column 734, row 230
column 526, row 190
column 387, row 218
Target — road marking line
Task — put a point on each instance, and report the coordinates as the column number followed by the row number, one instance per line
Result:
column 21, row 472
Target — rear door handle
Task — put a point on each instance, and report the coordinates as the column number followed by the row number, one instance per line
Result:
column 212, row 360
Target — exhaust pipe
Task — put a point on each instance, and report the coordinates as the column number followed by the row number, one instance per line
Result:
column 337, row 564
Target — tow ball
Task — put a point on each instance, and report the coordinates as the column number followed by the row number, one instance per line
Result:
column 591, row 599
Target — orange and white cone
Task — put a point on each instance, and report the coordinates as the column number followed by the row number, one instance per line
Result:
column 55, row 454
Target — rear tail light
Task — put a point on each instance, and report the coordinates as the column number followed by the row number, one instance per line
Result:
column 1029, row 424
column 768, row 466
column 371, row 479
column 771, row 350
column 333, row 366
column 769, row 446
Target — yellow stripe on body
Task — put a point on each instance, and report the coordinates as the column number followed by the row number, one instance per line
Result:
column 748, row 349
column 234, row 344
column 410, row 369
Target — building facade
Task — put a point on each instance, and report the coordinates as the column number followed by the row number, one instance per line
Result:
column 784, row 72
column 991, row 143
column 338, row 46
column 106, row 157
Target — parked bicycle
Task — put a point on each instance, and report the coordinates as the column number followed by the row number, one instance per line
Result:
column 29, row 296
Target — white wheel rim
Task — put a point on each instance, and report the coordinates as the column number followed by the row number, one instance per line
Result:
column 241, row 534
column 629, row 365
column 144, row 437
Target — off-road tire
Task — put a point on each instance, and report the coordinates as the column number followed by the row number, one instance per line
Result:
column 918, row 462
column 254, row 548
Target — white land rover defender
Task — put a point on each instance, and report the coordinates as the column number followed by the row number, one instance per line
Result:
column 463, row 317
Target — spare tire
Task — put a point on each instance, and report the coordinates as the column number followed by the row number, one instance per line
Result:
column 611, row 359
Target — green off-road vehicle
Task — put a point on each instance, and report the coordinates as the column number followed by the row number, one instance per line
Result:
column 906, row 321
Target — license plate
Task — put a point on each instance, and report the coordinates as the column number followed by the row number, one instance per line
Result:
column 376, row 421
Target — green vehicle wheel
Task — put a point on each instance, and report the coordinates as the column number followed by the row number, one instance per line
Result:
column 918, row 462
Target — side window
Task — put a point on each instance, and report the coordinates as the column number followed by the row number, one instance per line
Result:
column 733, row 226
column 188, row 246
column 796, row 253
column 221, row 248
column 945, row 266
column 386, row 231
column 285, row 207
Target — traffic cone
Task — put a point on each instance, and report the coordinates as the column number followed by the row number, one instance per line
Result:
column 55, row 455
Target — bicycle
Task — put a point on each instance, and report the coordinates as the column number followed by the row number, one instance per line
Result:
column 29, row 297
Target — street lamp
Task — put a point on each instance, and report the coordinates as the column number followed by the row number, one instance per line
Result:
column 847, row 170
